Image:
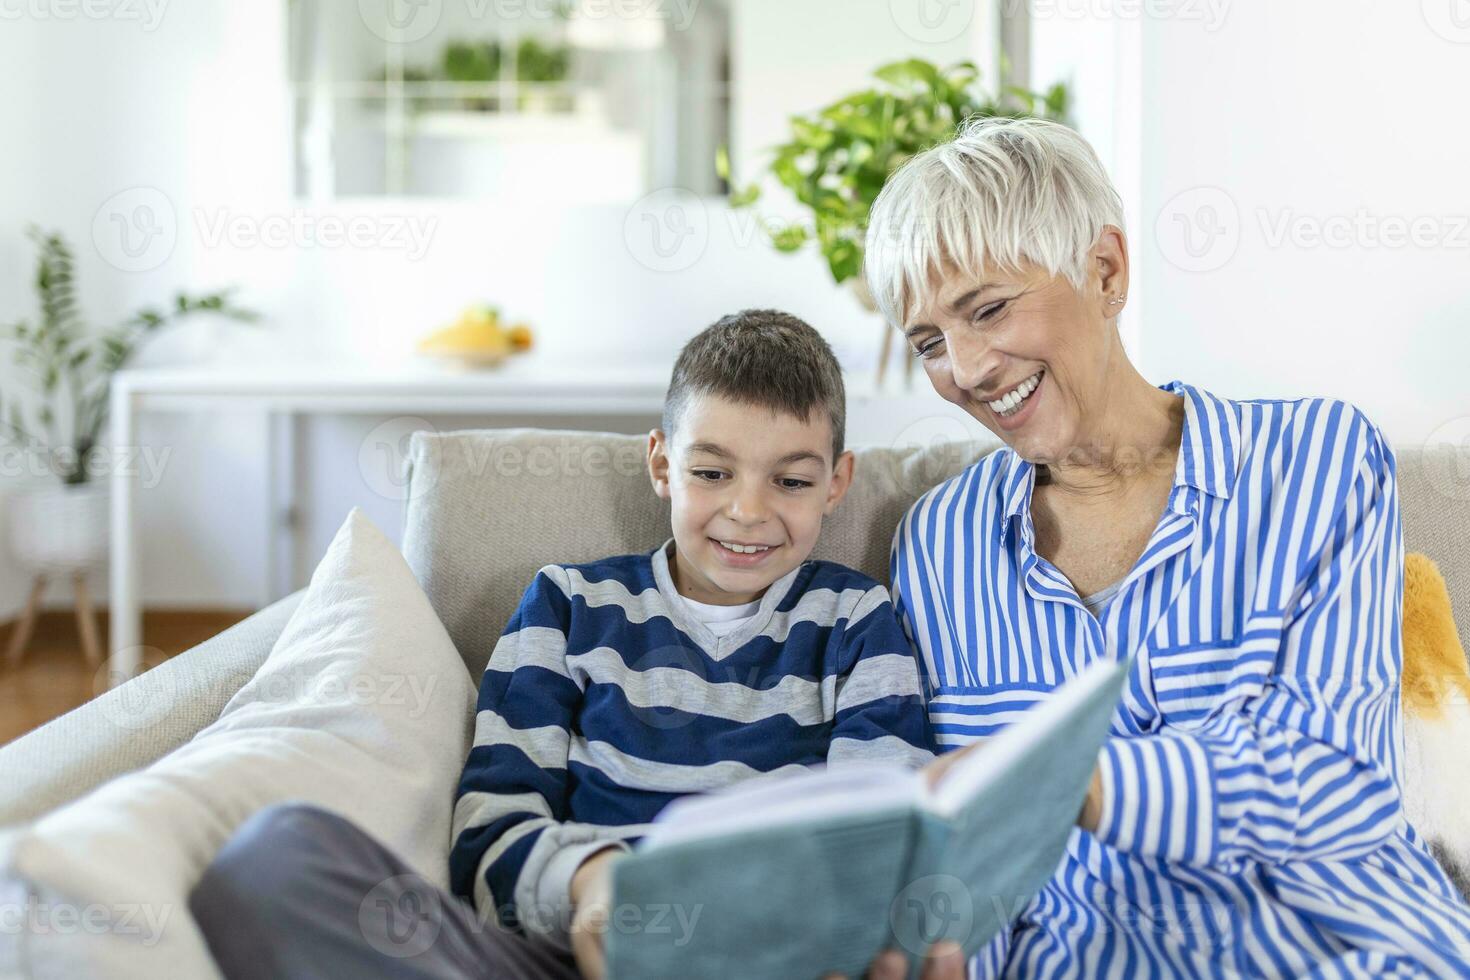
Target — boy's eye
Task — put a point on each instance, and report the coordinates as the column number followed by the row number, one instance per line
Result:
column 792, row 483
column 710, row 475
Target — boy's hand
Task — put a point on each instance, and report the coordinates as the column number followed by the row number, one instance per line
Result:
column 591, row 894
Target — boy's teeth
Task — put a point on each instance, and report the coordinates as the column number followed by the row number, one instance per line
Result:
column 745, row 549
column 1012, row 399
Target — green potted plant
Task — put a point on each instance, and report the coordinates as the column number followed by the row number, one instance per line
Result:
column 541, row 68
column 63, row 526
column 840, row 156
column 474, row 62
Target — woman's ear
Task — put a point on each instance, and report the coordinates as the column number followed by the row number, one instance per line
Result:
column 841, row 480
column 1110, row 259
column 658, row 462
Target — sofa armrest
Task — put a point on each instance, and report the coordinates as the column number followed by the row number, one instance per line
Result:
column 137, row 722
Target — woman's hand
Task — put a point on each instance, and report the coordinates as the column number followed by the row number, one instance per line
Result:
column 591, row 894
column 945, row 961
column 1092, row 806
column 935, row 770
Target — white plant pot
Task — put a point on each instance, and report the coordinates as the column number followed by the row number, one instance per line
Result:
column 60, row 529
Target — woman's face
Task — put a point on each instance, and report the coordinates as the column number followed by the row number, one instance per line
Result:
column 1024, row 352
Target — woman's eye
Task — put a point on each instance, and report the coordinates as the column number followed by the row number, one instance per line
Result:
column 987, row 312
column 929, row 349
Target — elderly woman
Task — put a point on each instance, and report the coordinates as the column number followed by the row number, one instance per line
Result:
column 1244, row 817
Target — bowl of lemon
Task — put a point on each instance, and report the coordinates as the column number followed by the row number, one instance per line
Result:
column 478, row 339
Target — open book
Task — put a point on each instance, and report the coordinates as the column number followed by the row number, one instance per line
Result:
column 817, row 873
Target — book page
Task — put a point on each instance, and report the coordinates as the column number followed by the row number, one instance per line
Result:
column 851, row 788
column 985, row 765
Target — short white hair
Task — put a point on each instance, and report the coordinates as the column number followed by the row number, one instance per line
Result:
column 1002, row 193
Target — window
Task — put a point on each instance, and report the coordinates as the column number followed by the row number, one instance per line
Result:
column 582, row 100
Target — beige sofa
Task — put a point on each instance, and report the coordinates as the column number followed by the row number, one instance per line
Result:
column 488, row 508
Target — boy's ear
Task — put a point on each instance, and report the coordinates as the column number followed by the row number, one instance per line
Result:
column 841, row 480
column 658, row 462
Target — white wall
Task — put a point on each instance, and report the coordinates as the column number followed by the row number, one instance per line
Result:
column 197, row 108
column 1310, row 112
column 790, row 57
column 191, row 105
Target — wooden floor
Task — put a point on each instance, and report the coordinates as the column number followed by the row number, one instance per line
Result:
column 54, row 677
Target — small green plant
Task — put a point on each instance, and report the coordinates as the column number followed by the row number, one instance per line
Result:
column 483, row 62
column 537, row 62
column 474, row 62
column 839, row 157
column 73, row 366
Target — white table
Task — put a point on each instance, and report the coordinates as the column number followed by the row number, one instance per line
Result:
column 521, row 389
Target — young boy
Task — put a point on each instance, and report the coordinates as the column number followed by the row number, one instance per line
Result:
column 617, row 687
column 725, row 654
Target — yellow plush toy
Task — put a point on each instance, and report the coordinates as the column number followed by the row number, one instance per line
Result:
column 1436, row 702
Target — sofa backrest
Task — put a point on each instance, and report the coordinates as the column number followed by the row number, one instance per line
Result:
column 487, row 508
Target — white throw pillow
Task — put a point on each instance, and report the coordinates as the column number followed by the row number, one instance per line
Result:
column 364, row 707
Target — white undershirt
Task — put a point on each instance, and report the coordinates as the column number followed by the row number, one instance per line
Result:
column 721, row 620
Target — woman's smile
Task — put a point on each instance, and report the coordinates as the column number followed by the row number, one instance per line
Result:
column 1012, row 409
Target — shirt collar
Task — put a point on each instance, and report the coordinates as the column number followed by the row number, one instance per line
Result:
column 1209, row 451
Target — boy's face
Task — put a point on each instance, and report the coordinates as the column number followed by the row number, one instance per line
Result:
column 743, row 475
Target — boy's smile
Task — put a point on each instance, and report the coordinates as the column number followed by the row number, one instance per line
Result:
column 748, row 488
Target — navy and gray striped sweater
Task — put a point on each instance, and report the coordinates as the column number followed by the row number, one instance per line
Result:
column 605, row 699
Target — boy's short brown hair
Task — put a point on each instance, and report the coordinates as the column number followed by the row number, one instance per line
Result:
column 764, row 358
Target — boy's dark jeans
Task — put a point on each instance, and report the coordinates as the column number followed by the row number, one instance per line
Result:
column 300, row 893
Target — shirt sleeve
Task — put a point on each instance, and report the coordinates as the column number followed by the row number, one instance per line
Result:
column 880, row 712
column 514, row 851
column 1307, row 769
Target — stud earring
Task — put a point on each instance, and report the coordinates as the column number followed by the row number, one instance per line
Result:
column 1117, row 302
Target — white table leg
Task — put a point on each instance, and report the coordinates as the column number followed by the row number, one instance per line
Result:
column 282, row 493
column 126, row 621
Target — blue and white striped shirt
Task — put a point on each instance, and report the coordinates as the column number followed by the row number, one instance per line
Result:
column 605, row 699
column 1252, row 818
